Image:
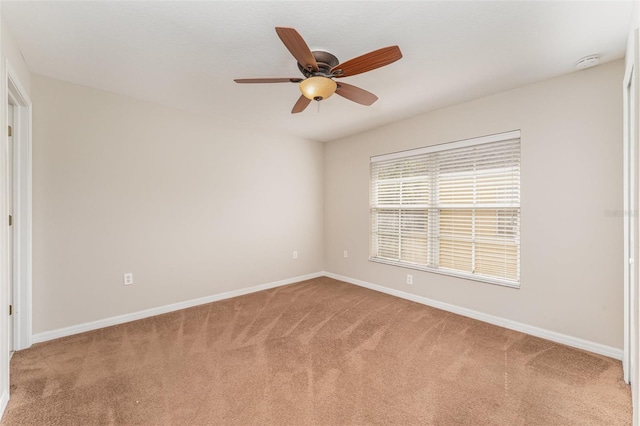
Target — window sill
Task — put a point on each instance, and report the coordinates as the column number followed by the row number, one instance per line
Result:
column 448, row 272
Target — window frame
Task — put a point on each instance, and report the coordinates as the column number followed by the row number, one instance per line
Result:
column 433, row 232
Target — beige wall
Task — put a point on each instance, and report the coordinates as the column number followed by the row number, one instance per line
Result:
column 191, row 205
column 571, row 174
column 127, row 186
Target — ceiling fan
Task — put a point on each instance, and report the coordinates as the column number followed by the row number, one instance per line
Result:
column 320, row 68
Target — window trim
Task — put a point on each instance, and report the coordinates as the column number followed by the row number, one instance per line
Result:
column 498, row 137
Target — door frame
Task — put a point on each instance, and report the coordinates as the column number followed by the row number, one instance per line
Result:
column 628, row 184
column 22, row 209
column 631, row 186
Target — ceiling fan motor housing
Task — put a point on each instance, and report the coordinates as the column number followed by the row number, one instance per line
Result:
column 325, row 61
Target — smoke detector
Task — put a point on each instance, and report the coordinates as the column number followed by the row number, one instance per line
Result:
column 588, row 62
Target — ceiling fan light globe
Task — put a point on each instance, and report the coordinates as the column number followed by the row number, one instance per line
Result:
column 318, row 88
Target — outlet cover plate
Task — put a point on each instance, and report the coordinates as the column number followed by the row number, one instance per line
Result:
column 128, row 279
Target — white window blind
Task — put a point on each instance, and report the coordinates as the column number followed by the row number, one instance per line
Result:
column 452, row 208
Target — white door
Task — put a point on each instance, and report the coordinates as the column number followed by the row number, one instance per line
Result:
column 634, row 308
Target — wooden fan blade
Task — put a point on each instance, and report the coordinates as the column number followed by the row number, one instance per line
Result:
column 298, row 47
column 300, row 105
column 368, row 61
column 355, row 94
column 268, row 80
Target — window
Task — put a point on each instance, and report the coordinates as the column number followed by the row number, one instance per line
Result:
column 452, row 208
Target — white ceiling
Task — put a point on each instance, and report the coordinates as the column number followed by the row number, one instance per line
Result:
column 186, row 54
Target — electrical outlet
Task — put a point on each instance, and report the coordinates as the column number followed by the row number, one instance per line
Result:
column 346, row 254
column 409, row 279
column 128, row 279
column 295, row 254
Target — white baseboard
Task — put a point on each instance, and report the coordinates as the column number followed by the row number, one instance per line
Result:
column 4, row 400
column 120, row 319
column 491, row 319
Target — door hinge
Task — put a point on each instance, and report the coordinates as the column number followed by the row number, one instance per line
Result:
column 10, row 220
column 10, row 131
column 10, row 309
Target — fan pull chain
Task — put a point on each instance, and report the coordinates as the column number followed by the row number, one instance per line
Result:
column 318, row 102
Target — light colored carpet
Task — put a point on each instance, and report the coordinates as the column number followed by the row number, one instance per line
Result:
column 319, row 352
